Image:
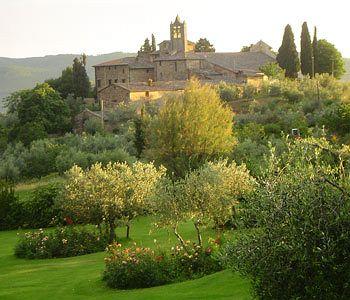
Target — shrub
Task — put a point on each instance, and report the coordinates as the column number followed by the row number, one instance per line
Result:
column 138, row 267
column 93, row 126
column 229, row 92
column 8, row 206
column 40, row 210
column 249, row 91
column 62, row 242
column 135, row 267
column 40, row 159
column 195, row 261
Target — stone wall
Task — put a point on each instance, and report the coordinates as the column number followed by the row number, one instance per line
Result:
column 141, row 75
column 113, row 95
column 106, row 75
column 168, row 70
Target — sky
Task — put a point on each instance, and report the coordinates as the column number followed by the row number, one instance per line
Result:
column 45, row 27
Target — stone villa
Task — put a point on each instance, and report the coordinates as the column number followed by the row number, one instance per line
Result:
column 149, row 75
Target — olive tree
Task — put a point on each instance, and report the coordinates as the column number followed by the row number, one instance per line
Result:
column 301, row 207
column 205, row 196
column 105, row 195
column 213, row 191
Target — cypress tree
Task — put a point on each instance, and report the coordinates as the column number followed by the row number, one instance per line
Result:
column 81, row 81
column 306, row 51
column 287, row 56
column 315, row 52
column 154, row 45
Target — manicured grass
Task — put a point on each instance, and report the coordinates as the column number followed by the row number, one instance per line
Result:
column 80, row 277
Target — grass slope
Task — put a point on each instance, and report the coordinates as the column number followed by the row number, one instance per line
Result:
column 80, row 277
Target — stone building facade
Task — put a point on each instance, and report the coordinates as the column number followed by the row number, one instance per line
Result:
column 175, row 61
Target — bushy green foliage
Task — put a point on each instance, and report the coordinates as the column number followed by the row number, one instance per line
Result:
column 64, row 83
column 229, row 92
column 272, row 70
column 61, row 242
column 36, row 211
column 40, row 111
column 8, row 206
column 301, row 207
column 93, row 126
column 39, row 210
column 329, row 59
column 203, row 45
column 60, row 154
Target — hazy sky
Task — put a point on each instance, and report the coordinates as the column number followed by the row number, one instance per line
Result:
column 41, row 27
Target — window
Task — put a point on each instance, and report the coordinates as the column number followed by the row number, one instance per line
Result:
column 161, row 75
column 175, row 66
column 110, row 81
column 147, row 94
column 123, row 80
column 115, row 67
column 115, row 80
column 147, row 71
column 123, row 71
column 98, row 82
column 109, row 68
column 160, row 63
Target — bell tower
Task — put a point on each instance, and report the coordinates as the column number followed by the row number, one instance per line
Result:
column 178, row 35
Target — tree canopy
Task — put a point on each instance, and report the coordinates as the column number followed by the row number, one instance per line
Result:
column 81, row 83
column 146, row 47
column 329, row 59
column 40, row 111
column 203, row 45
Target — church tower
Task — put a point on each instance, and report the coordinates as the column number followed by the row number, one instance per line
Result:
column 178, row 35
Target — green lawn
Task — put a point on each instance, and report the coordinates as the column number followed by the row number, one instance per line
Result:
column 80, row 277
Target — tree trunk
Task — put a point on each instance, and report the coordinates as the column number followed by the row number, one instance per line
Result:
column 199, row 237
column 127, row 231
column 111, row 232
column 179, row 237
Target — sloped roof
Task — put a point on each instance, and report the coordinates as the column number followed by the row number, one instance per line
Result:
column 262, row 43
column 179, row 56
column 237, row 61
column 132, row 62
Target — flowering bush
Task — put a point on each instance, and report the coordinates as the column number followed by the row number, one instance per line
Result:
column 138, row 267
column 195, row 261
column 135, row 267
column 62, row 242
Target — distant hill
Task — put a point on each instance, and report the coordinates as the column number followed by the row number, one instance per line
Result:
column 346, row 77
column 22, row 73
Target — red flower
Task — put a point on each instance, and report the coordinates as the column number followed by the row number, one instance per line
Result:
column 68, row 220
